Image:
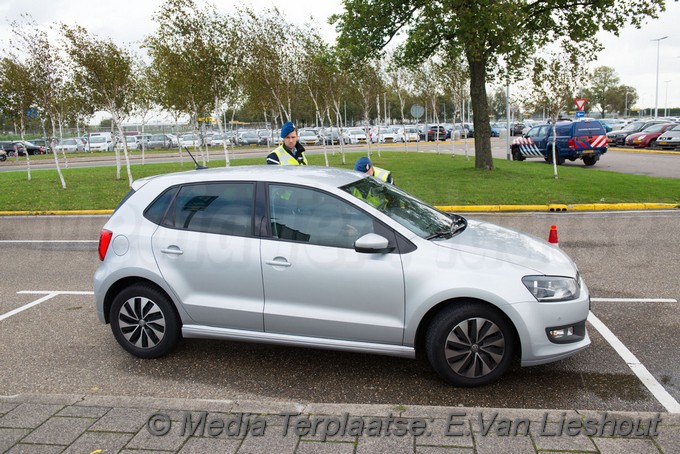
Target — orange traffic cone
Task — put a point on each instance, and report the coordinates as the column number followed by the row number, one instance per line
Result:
column 552, row 238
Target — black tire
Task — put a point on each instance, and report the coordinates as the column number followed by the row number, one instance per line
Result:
column 517, row 155
column 589, row 160
column 470, row 344
column 144, row 321
column 3, row 157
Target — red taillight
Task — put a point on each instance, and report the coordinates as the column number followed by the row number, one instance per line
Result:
column 104, row 241
column 571, row 143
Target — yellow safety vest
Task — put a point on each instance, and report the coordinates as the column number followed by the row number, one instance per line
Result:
column 370, row 198
column 381, row 174
column 286, row 159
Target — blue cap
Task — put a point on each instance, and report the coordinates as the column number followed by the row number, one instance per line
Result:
column 362, row 165
column 287, row 128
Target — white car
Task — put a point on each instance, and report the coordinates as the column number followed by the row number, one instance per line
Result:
column 308, row 137
column 71, row 145
column 100, row 143
column 383, row 134
column 334, row 259
column 407, row 134
column 356, row 135
column 189, row 140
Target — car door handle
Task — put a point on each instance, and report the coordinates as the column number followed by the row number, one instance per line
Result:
column 278, row 261
column 173, row 250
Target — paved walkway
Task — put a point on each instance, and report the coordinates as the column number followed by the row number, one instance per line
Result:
column 99, row 424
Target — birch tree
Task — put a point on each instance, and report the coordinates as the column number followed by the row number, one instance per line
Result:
column 556, row 77
column 104, row 72
column 271, row 66
column 17, row 87
column 33, row 43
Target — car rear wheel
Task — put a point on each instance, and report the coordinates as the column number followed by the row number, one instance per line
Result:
column 589, row 160
column 144, row 321
column 471, row 344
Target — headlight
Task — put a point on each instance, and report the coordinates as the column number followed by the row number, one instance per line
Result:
column 548, row 289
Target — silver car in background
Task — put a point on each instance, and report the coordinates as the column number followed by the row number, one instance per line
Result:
column 332, row 259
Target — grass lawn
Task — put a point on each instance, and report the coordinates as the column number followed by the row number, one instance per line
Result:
column 437, row 179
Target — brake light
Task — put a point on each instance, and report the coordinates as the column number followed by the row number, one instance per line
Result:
column 104, row 241
column 571, row 143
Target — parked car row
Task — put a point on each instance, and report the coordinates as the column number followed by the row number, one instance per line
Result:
column 646, row 134
column 18, row 147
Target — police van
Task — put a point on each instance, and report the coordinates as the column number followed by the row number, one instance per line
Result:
column 584, row 139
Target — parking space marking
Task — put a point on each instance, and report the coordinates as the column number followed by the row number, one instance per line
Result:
column 48, row 295
column 633, row 300
column 647, row 379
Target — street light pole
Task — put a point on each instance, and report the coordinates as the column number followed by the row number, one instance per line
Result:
column 625, row 110
column 656, row 98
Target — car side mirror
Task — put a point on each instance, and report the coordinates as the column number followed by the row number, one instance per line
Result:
column 372, row 243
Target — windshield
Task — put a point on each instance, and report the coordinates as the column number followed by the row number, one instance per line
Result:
column 655, row 128
column 631, row 126
column 418, row 217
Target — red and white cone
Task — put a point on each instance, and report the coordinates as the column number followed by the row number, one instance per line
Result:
column 552, row 238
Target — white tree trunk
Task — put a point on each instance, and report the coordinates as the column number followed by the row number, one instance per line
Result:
column 28, row 161
column 56, row 157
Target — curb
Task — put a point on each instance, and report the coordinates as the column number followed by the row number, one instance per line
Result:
column 555, row 207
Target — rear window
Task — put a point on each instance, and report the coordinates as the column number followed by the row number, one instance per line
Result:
column 588, row 128
column 222, row 208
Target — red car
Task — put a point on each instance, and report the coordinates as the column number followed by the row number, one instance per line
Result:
column 647, row 137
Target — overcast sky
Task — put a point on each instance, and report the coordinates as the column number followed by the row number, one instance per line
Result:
column 633, row 55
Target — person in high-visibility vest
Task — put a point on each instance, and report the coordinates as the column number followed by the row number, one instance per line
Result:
column 364, row 165
column 290, row 152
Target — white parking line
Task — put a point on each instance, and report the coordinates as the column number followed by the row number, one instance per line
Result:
column 27, row 306
column 647, row 379
column 633, row 300
column 48, row 295
column 56, row 292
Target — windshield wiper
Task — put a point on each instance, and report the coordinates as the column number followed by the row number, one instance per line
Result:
column 458, row 224
column 447, row 233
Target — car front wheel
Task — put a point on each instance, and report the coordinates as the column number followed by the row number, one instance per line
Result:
column 470, row 344
column 144, row 321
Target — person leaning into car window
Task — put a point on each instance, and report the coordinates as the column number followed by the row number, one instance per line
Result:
column 290, row 152
column 364, row 165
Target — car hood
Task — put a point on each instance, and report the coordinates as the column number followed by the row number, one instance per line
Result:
column 638, row 135
column 500, row 243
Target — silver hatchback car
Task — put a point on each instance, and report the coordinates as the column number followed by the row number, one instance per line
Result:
column 332, row 259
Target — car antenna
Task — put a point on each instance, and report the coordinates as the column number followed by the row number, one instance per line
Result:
column 198, row 166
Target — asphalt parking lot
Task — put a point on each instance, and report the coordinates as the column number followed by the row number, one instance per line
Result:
column 54, row 344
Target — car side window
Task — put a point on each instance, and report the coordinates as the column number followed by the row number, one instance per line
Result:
column 543, row 131
column 315, row 217
column 222, row 208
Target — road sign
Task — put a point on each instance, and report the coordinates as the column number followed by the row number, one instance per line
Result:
column 580, row 103
column 417, row 111
column 580, row 114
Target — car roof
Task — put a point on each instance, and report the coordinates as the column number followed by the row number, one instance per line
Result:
column 316, row 176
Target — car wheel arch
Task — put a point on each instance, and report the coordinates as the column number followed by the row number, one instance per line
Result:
column 431, row 314
column 124, row 283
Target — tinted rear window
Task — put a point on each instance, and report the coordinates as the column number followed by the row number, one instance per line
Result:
column 588, row 128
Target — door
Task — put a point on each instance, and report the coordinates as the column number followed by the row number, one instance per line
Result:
column 207, row 254
column 315, row 283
